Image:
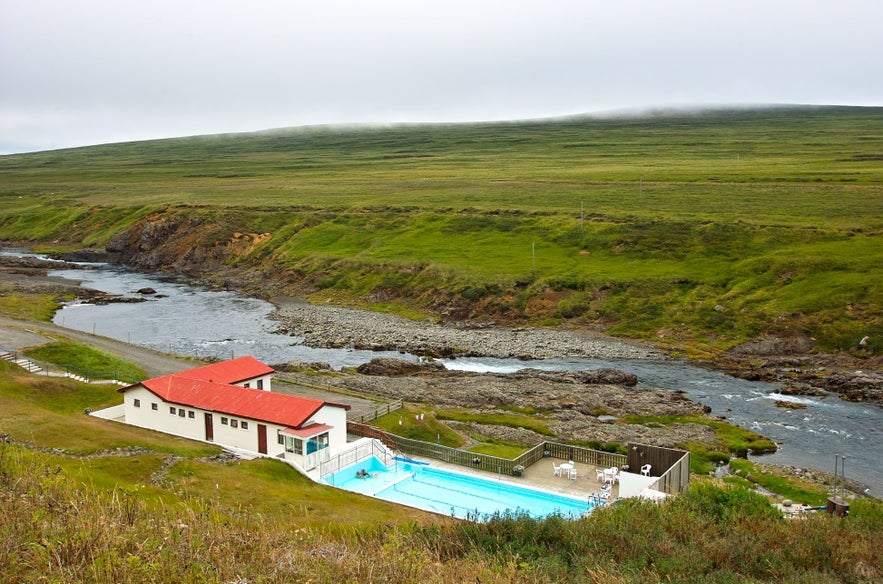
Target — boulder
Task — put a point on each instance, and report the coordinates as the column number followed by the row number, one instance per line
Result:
column 389, row 367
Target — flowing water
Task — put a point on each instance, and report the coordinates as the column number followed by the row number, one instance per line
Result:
column 189, row 320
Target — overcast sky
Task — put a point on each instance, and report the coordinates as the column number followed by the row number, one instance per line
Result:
column 78, row 72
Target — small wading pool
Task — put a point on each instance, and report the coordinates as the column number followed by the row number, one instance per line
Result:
column 450, row 493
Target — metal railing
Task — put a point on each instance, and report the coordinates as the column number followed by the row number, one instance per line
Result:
column 353, row 455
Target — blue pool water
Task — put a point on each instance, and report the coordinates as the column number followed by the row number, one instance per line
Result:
column 450, row 493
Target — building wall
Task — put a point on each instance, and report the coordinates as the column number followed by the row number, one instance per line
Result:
column 161, row 418
column 230, row 433
column 336, row 418
column 264, row 381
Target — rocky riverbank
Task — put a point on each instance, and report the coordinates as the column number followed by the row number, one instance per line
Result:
column 335, row 327
column 579, row 406
column 788, row 361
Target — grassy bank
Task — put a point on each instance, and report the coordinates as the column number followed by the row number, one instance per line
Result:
column 697, row 231
column 85, row 360
column 85, row 499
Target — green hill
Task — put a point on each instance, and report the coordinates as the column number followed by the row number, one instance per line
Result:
column 696, row 230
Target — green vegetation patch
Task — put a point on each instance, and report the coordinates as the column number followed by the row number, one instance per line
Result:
column 732, row 440
column 787, row 487
column 49, row 412
column 37, row 307
column 501, row 418
column 406, row 423
column 87, row 361
column 498, row 448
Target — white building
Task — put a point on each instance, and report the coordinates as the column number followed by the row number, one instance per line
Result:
column 230, row 404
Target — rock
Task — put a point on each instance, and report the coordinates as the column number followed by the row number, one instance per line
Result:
column 857, row 386
column 146, row 291
column 294, row 366
column 774, row 346
column 397, row 367
column 608, row 377
column 790, row 405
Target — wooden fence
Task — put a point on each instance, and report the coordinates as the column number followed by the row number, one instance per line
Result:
column 671, row 465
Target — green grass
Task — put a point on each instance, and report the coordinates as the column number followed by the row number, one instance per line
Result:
column 498, row 418
column 499, row 449
column 731, row 440
column 429, row 429
column 34, row 307
column 82, row 358
column 784, row 486
column 697, row 231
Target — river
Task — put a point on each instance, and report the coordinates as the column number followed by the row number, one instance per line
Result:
column 189, row 320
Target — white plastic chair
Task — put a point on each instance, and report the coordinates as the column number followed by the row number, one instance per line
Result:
column 557, row 469
column 599, row 475
column 573, row 474
column 645, row 470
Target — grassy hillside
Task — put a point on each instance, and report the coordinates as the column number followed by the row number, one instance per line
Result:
column 89, row 500
column 698, row 230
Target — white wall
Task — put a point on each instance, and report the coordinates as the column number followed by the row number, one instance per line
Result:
column 336, row 418
column 253, row 382
column 631, row 484
column 224, row 434
column 160, row 419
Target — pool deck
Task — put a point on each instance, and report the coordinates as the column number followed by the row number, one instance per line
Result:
column 541, row 476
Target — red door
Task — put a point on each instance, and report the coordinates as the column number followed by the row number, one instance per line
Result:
column 262, row 439
column 209, row 429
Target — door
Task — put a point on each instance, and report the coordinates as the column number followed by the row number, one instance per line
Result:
column 262, row 439
column 209, row 429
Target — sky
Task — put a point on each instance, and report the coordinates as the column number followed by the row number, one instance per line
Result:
column 82, row 72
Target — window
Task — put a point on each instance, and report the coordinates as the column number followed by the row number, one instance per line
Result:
column 224, row 421
column 172, row 411
column 137, row 403
column 191, row 415
column 234, row 423
column 247, row 385
column 280, row 438
column 260, row 384
column 181, row 412
column 154, row 406
column 245, row 425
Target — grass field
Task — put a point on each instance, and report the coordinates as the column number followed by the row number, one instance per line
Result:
column 85, row 499
column 695, row 230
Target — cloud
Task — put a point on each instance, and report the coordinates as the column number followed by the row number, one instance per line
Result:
column 105, row 70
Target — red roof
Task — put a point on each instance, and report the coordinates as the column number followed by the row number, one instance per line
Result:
column 232, row 371
column 201, row 388
column 307, row 432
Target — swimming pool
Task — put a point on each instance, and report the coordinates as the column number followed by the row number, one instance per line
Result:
column 450, row 493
